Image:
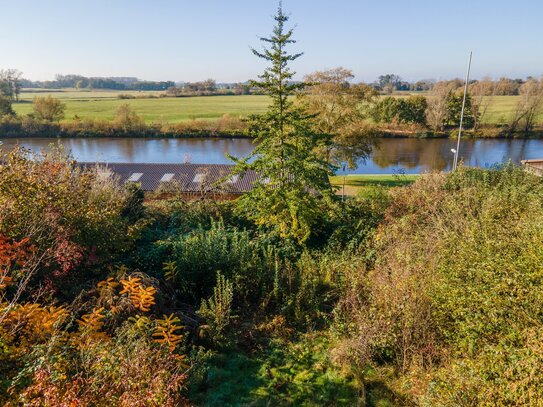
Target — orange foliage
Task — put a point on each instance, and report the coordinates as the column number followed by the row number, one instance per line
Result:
column 166, row 332
column 142, row 298
column 93, row 321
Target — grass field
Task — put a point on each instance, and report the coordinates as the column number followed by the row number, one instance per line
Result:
column 357, row 184
column 102, row 104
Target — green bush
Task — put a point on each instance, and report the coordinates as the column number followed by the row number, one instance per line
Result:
column 457, row 288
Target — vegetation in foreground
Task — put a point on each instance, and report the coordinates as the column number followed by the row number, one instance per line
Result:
column 422, row 294
column 426, row 294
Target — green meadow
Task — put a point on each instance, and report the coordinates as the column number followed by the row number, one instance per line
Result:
column 102, row 105
column 153, row 108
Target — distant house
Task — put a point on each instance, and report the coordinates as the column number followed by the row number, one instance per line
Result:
column 183, row 178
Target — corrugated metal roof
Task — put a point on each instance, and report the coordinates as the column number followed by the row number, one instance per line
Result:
column 187, row 177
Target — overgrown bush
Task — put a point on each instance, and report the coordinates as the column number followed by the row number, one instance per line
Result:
column 72, row 217
column 455, row 296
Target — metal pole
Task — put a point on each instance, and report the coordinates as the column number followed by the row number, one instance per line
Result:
column 455, row 164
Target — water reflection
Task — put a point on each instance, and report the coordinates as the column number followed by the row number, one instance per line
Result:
column 389, row 156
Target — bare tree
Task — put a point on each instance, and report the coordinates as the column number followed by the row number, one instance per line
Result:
column 528, row 107
column 437, row 109
column 482, row 93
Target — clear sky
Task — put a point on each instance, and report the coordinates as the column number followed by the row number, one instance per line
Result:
column 199, row 39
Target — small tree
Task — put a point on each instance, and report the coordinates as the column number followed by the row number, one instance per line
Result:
column 48, row 109
column 127, row 118
column 5, row 107
column 454, row 111
column 412, row 110
column 293, row 179
column 10, row 83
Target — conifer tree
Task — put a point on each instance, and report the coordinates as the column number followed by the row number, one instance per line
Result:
column 293, row 180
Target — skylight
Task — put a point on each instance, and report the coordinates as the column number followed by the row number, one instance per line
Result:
column 135, row 177
column 198, row 178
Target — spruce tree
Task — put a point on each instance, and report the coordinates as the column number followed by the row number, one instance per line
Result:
column 293, row 180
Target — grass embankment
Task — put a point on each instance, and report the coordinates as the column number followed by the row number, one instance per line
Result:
column 359, row 184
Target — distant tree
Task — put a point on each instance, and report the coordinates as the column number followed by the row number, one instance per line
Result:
column 48, row 109
column 437, row 111
column 293, row 179
column 385, row 110
column 528, row 107
column 389, row 82
column 412, row 110
column 340, row 109
column 507, row 87
column 210, row 85
column 10, row 83
column 482, row 93
column 5, row 107
column 454, row 110
column 127, row 118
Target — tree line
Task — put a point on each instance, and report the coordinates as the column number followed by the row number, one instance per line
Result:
column 83, row 82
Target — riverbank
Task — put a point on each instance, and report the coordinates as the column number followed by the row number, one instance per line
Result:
column 225, row 127
column 27, row 127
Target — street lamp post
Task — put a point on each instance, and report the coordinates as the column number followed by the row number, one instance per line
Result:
column 457, row 151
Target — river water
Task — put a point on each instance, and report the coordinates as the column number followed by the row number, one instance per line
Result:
column 391, row 155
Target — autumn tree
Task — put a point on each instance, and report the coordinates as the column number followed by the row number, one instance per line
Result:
column 293, row 179
column 437, row 111
column 48, row 108
column 341, row 109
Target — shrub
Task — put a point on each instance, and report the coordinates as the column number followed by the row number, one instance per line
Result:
column 48, row 109
column 456, row 290
column 72, row 217
column 5, row 107
column 217, row 310
column 127, row 119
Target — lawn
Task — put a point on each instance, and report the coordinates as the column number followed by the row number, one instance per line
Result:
column 359, row 183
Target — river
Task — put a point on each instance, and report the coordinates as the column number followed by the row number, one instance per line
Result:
column 391, row 155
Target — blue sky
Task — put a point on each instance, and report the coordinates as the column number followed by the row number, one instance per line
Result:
column 194, row 40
